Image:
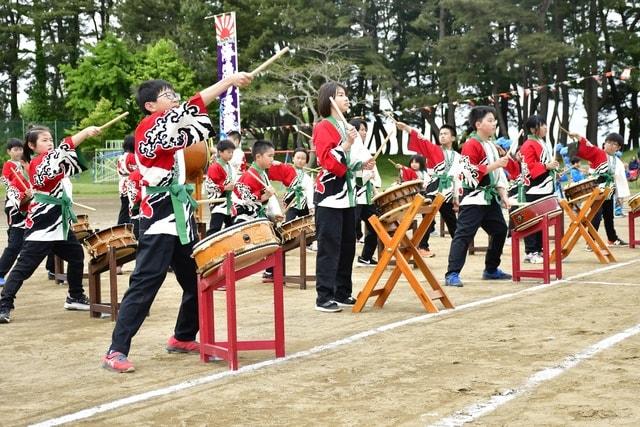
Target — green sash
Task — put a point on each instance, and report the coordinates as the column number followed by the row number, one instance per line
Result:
column 444, row 179
column 227, row 194
column 490, row 193
column 521, row 196
column 262, row 213
column 65, row 204
column 180, row 195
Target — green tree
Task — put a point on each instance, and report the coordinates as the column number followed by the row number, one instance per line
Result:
column 13, row 28
column 161, row 60
column 101, row 114
column 105, row 72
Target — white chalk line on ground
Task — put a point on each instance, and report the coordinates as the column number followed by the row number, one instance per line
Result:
column 105, row 407
column 606, row 283
column 479, row 409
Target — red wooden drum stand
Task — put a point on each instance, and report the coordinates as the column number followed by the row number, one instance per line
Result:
column 556, row 222
column 226, row 276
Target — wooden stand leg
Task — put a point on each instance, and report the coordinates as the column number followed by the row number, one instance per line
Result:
column 300, row 244
column 632, row 229
column 402, row 256
column 95, row 296
column 557, row 243
column 303, row 259
column 278, row 299
column 113, row 282
column 581, row 226
column 227, row 276
column 206, row 318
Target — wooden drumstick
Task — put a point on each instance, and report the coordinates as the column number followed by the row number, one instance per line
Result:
column 24, row 186
column 269, row 61
column 264, row 184
column 110, row 122
column 80, row 205
column 564, row 130
column 384, row 144
column 392, row 162
column 305, row 134
column 514, row 145
column 207, row 201
column 335, row 106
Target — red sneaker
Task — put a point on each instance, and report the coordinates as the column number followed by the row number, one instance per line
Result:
column 175, row 346
column 117, row 362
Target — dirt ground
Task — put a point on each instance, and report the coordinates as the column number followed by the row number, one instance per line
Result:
column 411, row 374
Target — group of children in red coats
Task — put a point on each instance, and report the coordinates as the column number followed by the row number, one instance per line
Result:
column 39, row 200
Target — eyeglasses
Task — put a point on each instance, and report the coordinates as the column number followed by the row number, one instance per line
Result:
column 171, row 96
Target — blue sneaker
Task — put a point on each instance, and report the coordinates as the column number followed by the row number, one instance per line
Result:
column 453, row 279
column 2, row 281
column 496, row 275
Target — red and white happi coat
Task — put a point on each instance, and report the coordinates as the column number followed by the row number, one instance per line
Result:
column 219, row 174
column 48, row 174
column 299, row 194
column 125, row 165
column 336, row 183
column 250, row 187
column 443, row 167
column 160, row 139
column 15, row 178
column 536, row 154
column 604, row 166
column 476, row 155
column 134, row 193
column 408, row 174
column 596, row 156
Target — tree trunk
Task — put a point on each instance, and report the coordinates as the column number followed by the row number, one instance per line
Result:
column 591, row 102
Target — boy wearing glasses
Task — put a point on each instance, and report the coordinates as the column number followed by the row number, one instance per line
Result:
column 167, row 222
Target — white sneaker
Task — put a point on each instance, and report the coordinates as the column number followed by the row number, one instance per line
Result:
column 536, row 258
column 81, row 303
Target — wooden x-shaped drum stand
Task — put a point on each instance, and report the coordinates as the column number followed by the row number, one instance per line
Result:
column 402, row 255
column 581, row 225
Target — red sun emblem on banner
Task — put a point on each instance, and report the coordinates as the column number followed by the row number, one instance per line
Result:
column 225, row 26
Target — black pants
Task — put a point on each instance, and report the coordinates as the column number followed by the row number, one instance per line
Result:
column 533, row 242
column 136, row 227
column 123, row 215
column 294, row 213
column 449, row 216
column 32, row 254
column 363, row 212
column 15, row 239
column 470, row 218
column 606, row 212
column 216, row 222
column 336, row 234
column 156, row 252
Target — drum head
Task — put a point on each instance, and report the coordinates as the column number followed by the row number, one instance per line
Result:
column 307, row 219
column 242, row 259
column 204, row 243
column 395, row 188
column 395, row 214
